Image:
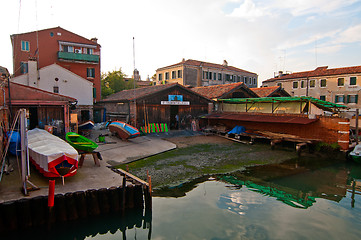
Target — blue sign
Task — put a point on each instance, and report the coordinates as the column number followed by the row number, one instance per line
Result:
column 175, row 97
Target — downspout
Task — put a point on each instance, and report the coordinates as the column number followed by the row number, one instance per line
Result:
column 10, row 107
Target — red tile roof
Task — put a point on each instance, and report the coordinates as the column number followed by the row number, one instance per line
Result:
column 318, row 72
column 191, row 62
column 132, row 94
column 219, row 91
column 269, row 91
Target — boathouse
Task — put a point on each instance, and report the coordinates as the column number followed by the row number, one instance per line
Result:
column 45, row 108
column 302, row 118
column 156, row 104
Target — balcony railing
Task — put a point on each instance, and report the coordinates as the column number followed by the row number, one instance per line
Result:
column 78, row 57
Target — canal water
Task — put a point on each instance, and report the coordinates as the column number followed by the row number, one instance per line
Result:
column 300, row 199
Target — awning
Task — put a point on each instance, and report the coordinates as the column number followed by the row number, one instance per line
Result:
column 266, row 118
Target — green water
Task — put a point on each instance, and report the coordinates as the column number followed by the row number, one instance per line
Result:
column 294, row 200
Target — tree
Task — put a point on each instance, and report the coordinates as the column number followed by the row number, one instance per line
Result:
column 115, row 81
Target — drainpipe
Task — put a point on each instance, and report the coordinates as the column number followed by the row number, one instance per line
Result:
column 11, row 114
column 357, row 112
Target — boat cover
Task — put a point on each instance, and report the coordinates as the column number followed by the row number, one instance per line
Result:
column 237, row 130
column 47, row 151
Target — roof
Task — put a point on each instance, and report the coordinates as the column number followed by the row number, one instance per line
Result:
column 133, row 94
column 318, row 72
column 268, row 91
column 319, row 103
column 264, row 118
column 196, row 63
column 53, row 29
column 219, row 91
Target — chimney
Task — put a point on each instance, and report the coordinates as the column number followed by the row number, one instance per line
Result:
column 183, row 60
column 33, row 75
column 94, row 40
column 225, row 63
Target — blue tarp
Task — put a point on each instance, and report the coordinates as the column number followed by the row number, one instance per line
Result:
column 14, row 143
column 237, row 130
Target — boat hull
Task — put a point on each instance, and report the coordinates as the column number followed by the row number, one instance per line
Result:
column 52, row 156
column 356, row 158
column 80, row 142
column 123, row 130
column 86, row 126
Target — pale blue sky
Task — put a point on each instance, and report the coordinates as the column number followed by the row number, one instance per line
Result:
column 261, row 36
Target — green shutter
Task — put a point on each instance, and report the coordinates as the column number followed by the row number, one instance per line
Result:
column 348, row 98
column 94, row 92
column 356, row 98
column 344, row 98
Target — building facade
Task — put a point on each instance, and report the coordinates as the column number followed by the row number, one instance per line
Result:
column 337, row 85
column 196, row 73
column 57, row 45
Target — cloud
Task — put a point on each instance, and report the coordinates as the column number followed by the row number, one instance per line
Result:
column 247, row 10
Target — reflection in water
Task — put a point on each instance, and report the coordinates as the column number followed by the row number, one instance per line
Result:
column 110, row 224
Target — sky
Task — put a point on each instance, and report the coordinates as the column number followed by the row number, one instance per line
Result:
column 260, row 36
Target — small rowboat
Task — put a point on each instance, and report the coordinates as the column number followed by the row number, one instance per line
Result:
column 123, row 130
column 80, row 142
column 86, row 126
column 355, row 154
column 51, row 155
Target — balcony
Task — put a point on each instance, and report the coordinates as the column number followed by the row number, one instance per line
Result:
column 70, row 56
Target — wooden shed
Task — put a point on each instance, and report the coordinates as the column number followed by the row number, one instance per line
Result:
column 45, row 108
column 156, row 104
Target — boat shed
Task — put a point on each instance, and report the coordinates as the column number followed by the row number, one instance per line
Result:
column 302, row 117
column 232, row 90
column 45, row 108
column 156, row 104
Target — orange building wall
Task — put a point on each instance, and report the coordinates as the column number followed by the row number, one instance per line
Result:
column 48, row 49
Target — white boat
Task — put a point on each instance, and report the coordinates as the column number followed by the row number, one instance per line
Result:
column 51, row 155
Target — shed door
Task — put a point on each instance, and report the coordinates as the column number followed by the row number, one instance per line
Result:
column 173, row 113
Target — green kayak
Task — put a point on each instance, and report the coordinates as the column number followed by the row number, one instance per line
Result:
column 80, row 142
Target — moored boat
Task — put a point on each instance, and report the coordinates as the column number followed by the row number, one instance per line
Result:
column 51, row 155
column 80, row 142
column 123, row 130
column 86, row 125
column 355, row 154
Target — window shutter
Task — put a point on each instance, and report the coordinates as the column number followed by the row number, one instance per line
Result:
column 344, row 98
column 94, row 92
column 356, row 99
column 336, row 98
column 348, row 98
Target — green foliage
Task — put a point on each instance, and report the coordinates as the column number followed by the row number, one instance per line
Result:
column 115, row 81
column 325, row 147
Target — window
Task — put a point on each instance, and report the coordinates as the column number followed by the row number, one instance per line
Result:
column 323, row 98
column 339, row 98
column 352, row 80
column 215, row 76
column 173, row 74
column 56, row 89
column 160, row 77
column 167, row 76
column 23, row 67
column 68, row 48
column 25, row 46
column 352, row 98
column 303, row 85
column 89, row 51
column 323, row 83
column 254, row 81
column 295, row 85
column 312, row 83
column 90, row 72
column 279, row 84
column 220, row 76
column 210, row 75
column 340, row 82
column 94, row 92
column 179, row 73
column 228, row 77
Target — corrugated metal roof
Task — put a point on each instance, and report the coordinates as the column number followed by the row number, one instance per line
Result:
column 265, row 118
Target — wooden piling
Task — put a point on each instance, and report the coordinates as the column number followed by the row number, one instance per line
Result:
column 60, row 208
column 24, row 213
column 81, row 204
column 71, row 208
column 92, row 202
column 103, row 200
column 39, row 211
column 9, row 213
column 114, row 199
